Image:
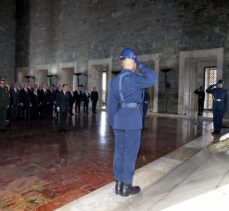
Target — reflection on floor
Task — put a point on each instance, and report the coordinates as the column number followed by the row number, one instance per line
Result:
column 43, row 169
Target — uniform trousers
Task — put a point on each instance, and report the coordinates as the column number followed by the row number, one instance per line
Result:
column 3, row 112
column 127, row 143
column 200, row 107
column 218, row 119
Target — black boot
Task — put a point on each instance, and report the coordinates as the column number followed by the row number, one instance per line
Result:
column 127, row 190
column 118, row 185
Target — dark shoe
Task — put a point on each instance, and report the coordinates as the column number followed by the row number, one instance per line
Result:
column 127, row 190
column 215, row 132
column 118, row 186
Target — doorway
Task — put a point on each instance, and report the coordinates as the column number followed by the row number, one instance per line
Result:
column 192, row 75
column 67, row 74
column 41, row 76
column 153, row 61
column 67, row 77
column 21, row 73
column 99, row 76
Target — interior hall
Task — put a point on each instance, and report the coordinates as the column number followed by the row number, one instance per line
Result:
column 62, row 69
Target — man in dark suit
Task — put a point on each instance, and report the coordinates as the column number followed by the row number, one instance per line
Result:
column 71, row 102
column 34, row 100
column 14, row 102
column 94, row 99
column 24, row 99
column 50, row 101
column 62, row 102
column 78, row 98
column 86, row 97
column 43, row 96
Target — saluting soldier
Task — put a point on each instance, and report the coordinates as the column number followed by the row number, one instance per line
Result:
column 125, row 116
column 219, row 107
column 201, row 95
column 4, row 103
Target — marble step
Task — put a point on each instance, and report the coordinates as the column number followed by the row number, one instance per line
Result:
column 104, row 199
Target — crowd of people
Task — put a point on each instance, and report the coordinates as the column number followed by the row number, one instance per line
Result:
column 25, row 101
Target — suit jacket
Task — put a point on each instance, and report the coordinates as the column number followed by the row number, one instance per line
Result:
column 24, row 97
column 62, row 101
column 77, row 96
column 94, row 96
column 34, row 99
column 86, row 97
column 14, row 97
column 43, row 96
column 70, row 98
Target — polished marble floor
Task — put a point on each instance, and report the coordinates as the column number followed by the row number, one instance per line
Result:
column 41, row 169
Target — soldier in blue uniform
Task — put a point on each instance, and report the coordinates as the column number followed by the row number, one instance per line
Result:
column 125, row 100
column 219, row 107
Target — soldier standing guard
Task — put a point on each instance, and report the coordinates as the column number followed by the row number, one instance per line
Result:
column 201, row 95
column 219, row 108
column 4, row 103
column 125, row 116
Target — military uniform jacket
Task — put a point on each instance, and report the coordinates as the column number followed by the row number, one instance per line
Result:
column 4, row 96
column 219, row 97
column 133, row 85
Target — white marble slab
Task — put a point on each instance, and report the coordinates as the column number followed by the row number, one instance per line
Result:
column 201, row 183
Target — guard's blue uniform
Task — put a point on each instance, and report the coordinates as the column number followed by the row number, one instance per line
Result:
column 125, row 115
column 219, row 96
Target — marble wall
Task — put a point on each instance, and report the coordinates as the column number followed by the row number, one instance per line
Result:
column 7, row 39
column 60, row 31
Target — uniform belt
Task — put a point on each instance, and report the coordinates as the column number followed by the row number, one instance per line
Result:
column 129, row 105
column 218, row 100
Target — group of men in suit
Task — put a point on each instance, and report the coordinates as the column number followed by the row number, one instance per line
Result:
column 31, row 101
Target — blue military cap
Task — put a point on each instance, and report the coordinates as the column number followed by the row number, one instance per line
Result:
column 128, row 53
column 220, row 81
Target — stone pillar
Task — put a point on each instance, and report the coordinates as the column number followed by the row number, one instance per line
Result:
column 7, row 39
column 41, row 34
